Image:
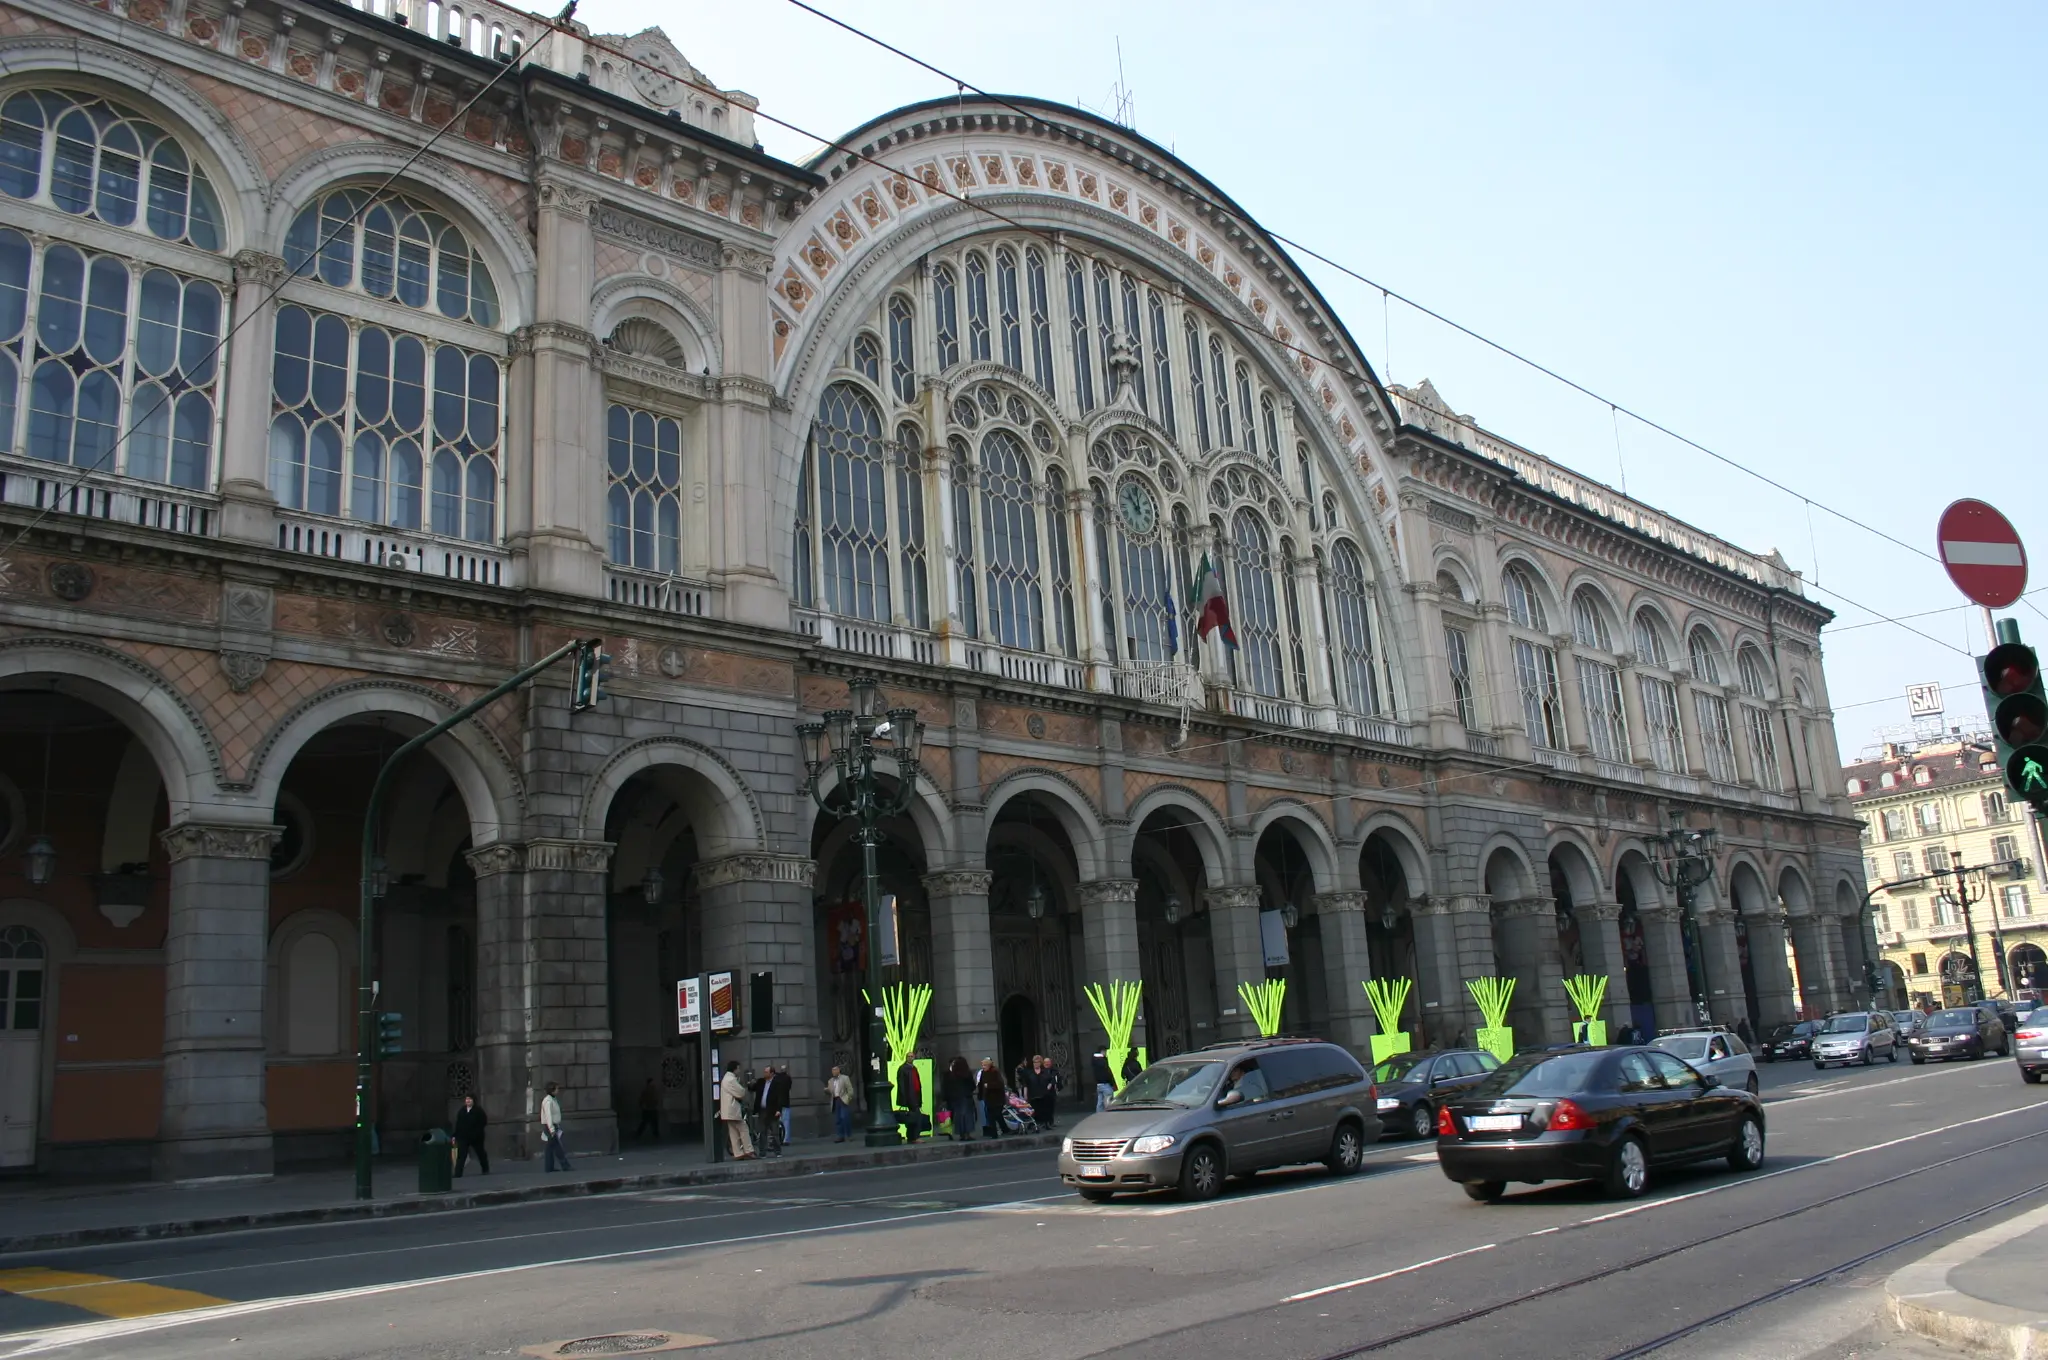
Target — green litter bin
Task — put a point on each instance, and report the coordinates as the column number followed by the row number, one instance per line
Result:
column 437, row 1163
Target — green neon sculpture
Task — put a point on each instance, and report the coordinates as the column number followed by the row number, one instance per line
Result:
column 1116, row 1006
column 1492, row 995
column 903, row 1009
column 1587, row 990
column 1389, row 996
column 1263, row 1000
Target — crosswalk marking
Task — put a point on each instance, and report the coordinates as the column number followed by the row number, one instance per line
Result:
column 102, row 1294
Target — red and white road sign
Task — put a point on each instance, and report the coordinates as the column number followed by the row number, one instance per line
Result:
column 1983, row 553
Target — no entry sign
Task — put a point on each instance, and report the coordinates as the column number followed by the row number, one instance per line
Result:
column 1983, row 554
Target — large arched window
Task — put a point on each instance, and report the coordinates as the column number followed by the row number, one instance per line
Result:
column 1589, row 621
column 1009, row 505
column 1041, row 317
column 1525, row 606
column 853, row 515
column 1710, row 707
column 1703, row 651
column 917, row 604
column 1650, row 648
column 380, row 422
column 902, row 349
column 946, row 305
column 1360, row 690
column 1009, row 312
column 1535, row 661
column 1149, row 609
column 1198, row 389
column 1751, row 674
column 1256, row 609
column 643, row 497
column 107, row 350
column 22, row 959
column 1077, row 323
column 977, row 309
column 1599, row 679
column 1134, row 335
column 1162, row 360
column 1659, row 695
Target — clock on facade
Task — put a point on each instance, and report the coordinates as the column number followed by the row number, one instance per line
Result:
column 1140, row 512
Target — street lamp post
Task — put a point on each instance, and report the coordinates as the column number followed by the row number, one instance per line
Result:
column 1683, row 858
column 848, row 743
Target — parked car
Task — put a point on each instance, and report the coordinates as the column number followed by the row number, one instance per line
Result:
column 2007, row 1016
column 1907, row 1023
column 2030, row 1043
column 1788, row 1041
column 1227, row 1110
column 1716, row 1052
column 1411, row 1084
column 1960, row 1032
column 1602, row 1114
column 1855, row 1036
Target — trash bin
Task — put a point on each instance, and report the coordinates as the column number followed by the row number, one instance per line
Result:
column 437, row 1163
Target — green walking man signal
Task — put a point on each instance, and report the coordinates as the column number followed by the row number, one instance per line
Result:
column 2018, row 710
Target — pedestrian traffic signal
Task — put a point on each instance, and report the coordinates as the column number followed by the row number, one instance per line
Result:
column 2019, row 715
column 591, row 677
column 390, row 1034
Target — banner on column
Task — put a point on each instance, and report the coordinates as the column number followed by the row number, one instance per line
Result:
column 689, row 1015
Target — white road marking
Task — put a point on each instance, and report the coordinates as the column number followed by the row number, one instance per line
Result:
column 1387, row 1274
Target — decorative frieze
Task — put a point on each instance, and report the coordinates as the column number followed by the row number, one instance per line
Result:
column 502, row 857
column 1104, row 892
column 1243, row 897
column 199, row 840
column 755, row 868
column 1330, row 903
column 961, row 883
column 576, row 857
column 644, row 233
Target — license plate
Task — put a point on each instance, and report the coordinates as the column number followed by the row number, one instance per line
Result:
column 1094, row 1173
column 1493, row 1123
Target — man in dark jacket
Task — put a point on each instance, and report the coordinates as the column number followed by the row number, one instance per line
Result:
column 1042, row 1090
column 773, row 1099
column 909, row 1099
column 1105, row 1084
column 469, row 1137
column 988, row 1089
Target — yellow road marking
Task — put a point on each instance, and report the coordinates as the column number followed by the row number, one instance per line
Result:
column 102, row 1294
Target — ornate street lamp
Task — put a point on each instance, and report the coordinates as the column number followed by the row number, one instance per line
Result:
column 40, row 859
column 650, row 888
column 1683, row 858
column 848, row 743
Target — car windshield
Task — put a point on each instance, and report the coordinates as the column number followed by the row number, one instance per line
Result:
column 2037, row 1016
column 1691, row 1047
column 1905, row 1017
column 1958, row 1019
column 1847, row 1024
column 1539, row 1074
column 1186, row 1084
column 1398, row 1067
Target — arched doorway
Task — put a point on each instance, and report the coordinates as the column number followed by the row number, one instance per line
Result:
column 1290, row 932
column 1017, row 1034
column 23, row 959
column 2029, row 967
column 1390, row 926
column 840, row 922
column 1635, row 949
column 1958, row 977
column 1524, row 944
column 1178, row 1011
column 1034, row 933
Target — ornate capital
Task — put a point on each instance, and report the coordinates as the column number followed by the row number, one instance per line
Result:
column 1526, row 906
column 253, row 267
column 1461, row 904
column 958, row 883
column 1713, row 916
column 553, row 335
column 1331, row 903
column 1666, row 915
column 196, row 840
column 243, row 669
column 502, row 857
column 755, row 868
column 1104, row 892
column 747, row 261
column 1604, row 911
column 566, row 198
column 577, row 857
column 1243, row 897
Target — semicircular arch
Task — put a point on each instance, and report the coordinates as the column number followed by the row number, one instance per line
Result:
column 1076, row 814
column 1199, row 817
column 732, row 814
column 1309, row 831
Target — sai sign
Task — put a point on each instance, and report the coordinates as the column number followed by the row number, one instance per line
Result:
column 1923, row 701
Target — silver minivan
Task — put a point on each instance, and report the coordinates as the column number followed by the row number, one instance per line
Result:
column 1855, row 1036
column 1187, row 1122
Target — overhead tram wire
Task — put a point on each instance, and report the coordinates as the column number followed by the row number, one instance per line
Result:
column 347, row 224
column 1387, row 292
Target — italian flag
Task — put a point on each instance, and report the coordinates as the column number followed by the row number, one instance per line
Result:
column 1206, row 599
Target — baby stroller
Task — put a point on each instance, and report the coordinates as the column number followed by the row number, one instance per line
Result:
column 1017, row 1116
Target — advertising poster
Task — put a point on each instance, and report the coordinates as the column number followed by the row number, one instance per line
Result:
column 689, row 1019
column 721, row 1003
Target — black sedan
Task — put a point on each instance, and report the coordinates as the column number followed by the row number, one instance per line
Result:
column 1788, row 1041
column 1411, row 1084
column 1593, row 1114
column 1960, row 1032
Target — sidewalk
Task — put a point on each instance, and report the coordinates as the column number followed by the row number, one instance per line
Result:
column 1987, row 1292
column 36, row 1217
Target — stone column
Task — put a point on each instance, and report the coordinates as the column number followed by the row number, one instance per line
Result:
column 1640, row 750
column 1816, row 975
column 1604, row 956
column 505, row 975
column 1240, row 956
column 1726, row 1000
column 1453, row 942
column 554, row 498
column 758, row 917
column 1665, row 944
column 1528, row 933
column 1774, row 1000
column 247, row 505
column 1347, row 963
column 1857, row 947
column 1578, row 735
column 568, row 974
column 1689, row 729
column 963, row 1014
column 215, row 1122
column 1109, row 947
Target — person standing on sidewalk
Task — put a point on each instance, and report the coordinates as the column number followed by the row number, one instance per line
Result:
column 784, row 1084
column 551, row 1130
column 650, row 1112
column 767, row 1104
column 840, row 1088
column 1046, row 1094
column 910, row 1099
column 469, row 1137
column 988, row 1089
column 1105, row 1085
column 732, row 1112
column 956, row 1090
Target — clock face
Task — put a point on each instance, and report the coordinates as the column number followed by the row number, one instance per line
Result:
column 1140, row 512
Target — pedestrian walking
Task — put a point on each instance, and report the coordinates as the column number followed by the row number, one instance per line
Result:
column 840, row 1088
column 910, row 1099
column 732, row 1112
column 788, row 1113
column 650, row 1111
column 1742, row 1032
column 1105, row 1085
column 1038, row 1089
column 768, row 1096
column 551, row 1131
column 1053, row 1083
column 956, row 1090
column 1131, row 1069
column 989, row 1090
column 469, row 1136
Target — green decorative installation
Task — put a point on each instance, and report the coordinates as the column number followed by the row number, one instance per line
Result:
column 1116, row 1006
column 1263, row 1000
column 1389, row 996
column 1491, row 995
column 903, row 1008
column 1587, row 990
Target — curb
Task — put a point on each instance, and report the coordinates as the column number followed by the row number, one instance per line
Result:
column 1920, row 1300
column 351, row 1210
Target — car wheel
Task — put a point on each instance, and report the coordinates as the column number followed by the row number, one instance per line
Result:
column 1895, row 1053
column 1747, row 1152
column 1486, row 1192
column 1819, row 1066
column 1917, row 1060
column 1347, row 1150
column 1423, row 1120
column 1201, row 1173
column 2031, row 1078
column 1751, row 1084
column 1866, row 1055
column 1628, row 1169
column 1096, row 1196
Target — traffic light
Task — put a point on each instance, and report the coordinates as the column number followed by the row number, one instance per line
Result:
column 592, row 674
column 390, row 1034
column 2019, row 715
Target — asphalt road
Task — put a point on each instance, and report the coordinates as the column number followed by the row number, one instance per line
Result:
column 989, row 1257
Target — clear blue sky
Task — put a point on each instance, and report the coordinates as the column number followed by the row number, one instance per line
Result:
column 1808, row 236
